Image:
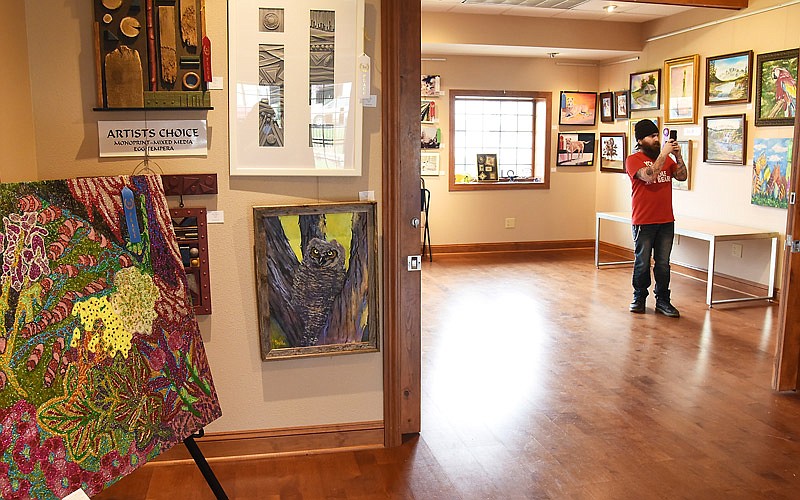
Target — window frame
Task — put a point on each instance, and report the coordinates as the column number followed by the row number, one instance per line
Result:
column 547, row 98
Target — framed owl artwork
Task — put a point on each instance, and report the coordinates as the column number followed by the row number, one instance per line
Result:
column 316, row 279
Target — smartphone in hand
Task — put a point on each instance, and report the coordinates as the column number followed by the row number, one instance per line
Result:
column 673, row 134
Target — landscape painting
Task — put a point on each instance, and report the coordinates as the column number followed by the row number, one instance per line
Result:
column 645, row 90
column 772, row 168
column 725, row 139
column 728, row 78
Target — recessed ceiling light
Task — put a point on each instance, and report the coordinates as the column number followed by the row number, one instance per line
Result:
column 610, row 8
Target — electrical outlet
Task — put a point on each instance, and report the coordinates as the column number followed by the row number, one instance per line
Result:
column 511, row 223
column 736, row 250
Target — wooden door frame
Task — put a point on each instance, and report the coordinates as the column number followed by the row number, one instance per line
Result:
column 400, row 77
column 787, row 350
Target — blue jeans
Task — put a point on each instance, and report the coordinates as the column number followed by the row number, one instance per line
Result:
column 655, row 240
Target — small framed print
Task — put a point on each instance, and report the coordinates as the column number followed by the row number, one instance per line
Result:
column 681, row 84
column 487, row 167
column 613, row 151
column 429, row 163
column 578, row 108
column 575, row 150
column 607, row 107
column 645, row 90
column 725, row 139
column 621, row 104
column 728, row 78
column 686, row 153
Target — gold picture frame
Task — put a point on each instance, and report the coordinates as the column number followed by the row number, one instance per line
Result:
column 681, row 86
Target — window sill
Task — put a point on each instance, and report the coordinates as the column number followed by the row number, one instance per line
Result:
column 501, row 184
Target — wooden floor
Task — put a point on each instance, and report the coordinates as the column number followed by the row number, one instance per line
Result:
column 538, row 383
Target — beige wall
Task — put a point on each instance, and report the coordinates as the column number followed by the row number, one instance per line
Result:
column 563, row 212
column 16, row 127
column 719, row 192
column 253, row 394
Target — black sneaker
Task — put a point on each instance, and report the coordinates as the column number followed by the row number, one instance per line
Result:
column 637, row 306
column 667, row 309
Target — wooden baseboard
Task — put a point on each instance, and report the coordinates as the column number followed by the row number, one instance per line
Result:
column 511, row 246
column 238, row 445
column 723, row 280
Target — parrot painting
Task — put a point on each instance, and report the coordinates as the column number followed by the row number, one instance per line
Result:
column 785, row 92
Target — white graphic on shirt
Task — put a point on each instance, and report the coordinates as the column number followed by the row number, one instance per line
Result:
column 663, row 176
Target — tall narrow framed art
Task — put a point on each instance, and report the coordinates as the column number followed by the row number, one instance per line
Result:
column 681, row 84
column 293, row 90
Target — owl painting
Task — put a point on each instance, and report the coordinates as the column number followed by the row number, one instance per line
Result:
column 316, row 273
column 317, row 282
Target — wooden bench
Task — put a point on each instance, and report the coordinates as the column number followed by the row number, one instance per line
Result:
column 710, row 231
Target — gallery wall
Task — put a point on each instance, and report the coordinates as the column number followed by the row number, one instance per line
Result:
column 718, row 192
column 16, row 127
column 254, row 394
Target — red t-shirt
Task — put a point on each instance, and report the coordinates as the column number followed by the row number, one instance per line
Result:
column 651, row 202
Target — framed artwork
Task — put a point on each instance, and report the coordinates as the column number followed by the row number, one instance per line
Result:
column 681, row 86
column 772, row 169
column 487, row 167
column 686, row 152
column 294, row 108
column 632, row 130
column 431, row 137
column 776, row 88
column 725, row 139
column 645, row 88
column 578, row 108
column 575, row 150
column 613, row 151
column 607, row 107
column 622, row 107
column 429, row 163
column 431, row 85
column 316, row 278
column 104, row 368
column 428, row 112
column 728, row 78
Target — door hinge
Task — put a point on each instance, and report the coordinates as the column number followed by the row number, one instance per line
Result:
column 794, row 245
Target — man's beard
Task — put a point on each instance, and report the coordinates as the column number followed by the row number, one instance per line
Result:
column 651, row 152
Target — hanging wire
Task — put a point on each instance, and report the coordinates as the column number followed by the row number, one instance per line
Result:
column 145, row 167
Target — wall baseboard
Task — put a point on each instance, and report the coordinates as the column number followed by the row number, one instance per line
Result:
column 238, row 445
column 723, row 280
column 510, row 246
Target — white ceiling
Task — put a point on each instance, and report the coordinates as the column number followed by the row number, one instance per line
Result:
column 584, row 10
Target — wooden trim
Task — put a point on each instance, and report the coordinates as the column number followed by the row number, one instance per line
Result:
column 716, row 4
column 724, row 280
column 400, row 77
column 252, row 444
column 511, row 246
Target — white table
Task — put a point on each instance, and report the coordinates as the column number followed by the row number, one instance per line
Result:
column 709, row 231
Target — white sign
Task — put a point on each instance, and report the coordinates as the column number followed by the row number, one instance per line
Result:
column 153, row 138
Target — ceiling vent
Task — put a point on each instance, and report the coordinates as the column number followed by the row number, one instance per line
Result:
column 542, row 4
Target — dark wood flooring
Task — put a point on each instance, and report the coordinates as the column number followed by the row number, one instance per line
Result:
column 538, row 383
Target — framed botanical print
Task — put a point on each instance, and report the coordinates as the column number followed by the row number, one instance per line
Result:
column 728, row 78
column 681, row 77
column 776, row 82
column 578, row 108
column 725, row 139
column 607, row 107
column 613, row 151
column 645, row 90
column 622, row 107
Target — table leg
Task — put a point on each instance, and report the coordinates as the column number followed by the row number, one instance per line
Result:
column 597, row 244
column 712, row 248
column 772, row 265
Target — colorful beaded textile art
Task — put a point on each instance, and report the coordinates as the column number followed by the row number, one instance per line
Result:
column 102, row 366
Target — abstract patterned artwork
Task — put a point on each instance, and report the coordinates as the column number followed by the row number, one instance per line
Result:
column 102, row 366
column 271, row 85
column 321, row 49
